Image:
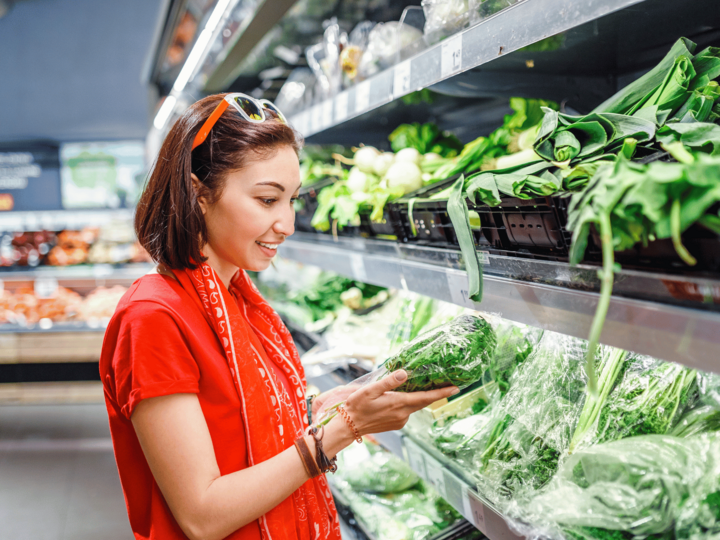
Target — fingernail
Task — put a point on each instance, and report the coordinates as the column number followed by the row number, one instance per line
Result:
column 401, row 375
column 455, row 391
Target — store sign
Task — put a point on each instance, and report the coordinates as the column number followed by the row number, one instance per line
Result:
column 29, row 177
column 102, row 175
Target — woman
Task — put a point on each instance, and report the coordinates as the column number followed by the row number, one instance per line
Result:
column 204, row 388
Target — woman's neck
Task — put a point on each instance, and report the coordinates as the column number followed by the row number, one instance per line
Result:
column 224, row 270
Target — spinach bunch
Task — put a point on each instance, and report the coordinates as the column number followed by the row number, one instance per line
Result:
column 515, row 342
column 455, row 354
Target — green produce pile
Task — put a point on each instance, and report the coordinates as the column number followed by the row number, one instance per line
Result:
column 322, row 298
column 674, row 107
column 387, row 497
column 455, row 354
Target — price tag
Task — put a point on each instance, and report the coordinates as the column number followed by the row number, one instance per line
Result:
column 45, row 287
column 416, row 459
column 451, row 56
column 466, row 508
column 341, row 107
column 327, row 113
column 401, row 80
column 458, row 286
column 358, row 267
column 478, row 513
column 317, row 119
column 362, row 97
column 436, row 475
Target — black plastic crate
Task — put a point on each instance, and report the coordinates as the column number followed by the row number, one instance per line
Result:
column 307, row 204
column 385, row 229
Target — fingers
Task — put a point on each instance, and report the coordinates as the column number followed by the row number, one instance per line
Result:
column 418, row 400
column 388, row 383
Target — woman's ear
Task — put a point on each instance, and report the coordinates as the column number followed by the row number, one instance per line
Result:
column 197, row 186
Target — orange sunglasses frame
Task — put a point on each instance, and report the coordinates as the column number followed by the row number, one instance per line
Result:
column 218, row 112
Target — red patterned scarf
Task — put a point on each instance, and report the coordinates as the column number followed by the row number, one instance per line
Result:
column 274, row 416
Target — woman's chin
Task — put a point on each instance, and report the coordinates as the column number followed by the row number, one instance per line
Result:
column 258, row 266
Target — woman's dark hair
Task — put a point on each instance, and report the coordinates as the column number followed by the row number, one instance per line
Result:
column 168, row 220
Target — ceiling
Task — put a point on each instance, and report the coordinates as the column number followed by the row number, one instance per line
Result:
column 70, row 70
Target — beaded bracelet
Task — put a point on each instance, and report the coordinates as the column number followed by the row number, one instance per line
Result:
column 350, row 423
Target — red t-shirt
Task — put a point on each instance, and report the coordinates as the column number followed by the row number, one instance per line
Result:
column 159, row 343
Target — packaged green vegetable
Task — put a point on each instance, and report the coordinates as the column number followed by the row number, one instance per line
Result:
column 643, row 487
column 455, row 354
column 371, row 469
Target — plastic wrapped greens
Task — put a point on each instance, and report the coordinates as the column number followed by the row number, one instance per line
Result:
column 648, row 400
column 643, row 487
column 515, row 342
column 457, row 438
column 369, row 468
column 533, row 423
column 456, row 353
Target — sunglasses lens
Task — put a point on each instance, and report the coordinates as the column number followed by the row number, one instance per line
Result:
column 270, row 107
column 250, row 108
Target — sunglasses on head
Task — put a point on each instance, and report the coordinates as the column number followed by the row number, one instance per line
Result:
column 251, row 109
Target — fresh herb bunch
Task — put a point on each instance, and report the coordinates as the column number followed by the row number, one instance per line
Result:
column 455, row 354
column 701, row 420
column 649, row 399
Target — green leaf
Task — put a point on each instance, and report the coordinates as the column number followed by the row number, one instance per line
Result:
column 458, row 211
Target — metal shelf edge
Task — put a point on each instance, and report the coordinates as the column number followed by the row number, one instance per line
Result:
column 672, row 333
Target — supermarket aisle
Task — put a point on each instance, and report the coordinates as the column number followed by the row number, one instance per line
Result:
column 58, row 478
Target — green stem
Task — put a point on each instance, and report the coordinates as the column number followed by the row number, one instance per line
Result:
column 606, row 286
column 675, row 231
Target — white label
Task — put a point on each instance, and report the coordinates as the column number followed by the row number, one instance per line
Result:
column 358, row 267
column 327, row 113
column 362, row 97
column 341, row 107
column 416, row 459
column 401, row 80
column 451, row 56
column 458, row 286
column 478, row 513
column 467, row 509
column 436, row 475
column 45, row 287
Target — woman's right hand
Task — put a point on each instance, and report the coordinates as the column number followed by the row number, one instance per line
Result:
column 375, row 408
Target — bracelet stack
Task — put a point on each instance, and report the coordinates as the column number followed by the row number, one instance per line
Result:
column 309, row 463
column 350, row 423
column 323, row 462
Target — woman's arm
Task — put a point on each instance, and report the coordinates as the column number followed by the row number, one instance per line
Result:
column 177, row 445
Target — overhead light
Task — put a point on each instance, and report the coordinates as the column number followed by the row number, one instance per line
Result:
column 192, row 61
column 198, row 51
column 216, row 15
column 163, row 115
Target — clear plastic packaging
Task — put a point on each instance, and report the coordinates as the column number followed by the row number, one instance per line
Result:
column 519, row 449
column 446, row 17
column 455, row 354
column 369, row 468
column 652, row 486
column 515, row 342
column 384, row 43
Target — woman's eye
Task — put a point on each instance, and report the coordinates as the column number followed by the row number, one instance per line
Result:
column 267, row 202
column 293, row 201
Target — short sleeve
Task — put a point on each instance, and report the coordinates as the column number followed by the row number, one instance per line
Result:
column 151, row 357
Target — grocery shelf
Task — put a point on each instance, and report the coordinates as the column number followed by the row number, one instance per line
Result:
column 586, row 68
column 57, row 220
column 457, row 490
column 672, row 317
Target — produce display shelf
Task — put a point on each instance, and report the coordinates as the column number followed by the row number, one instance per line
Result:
column 583, row 61
column 673, row 317
column 452, row 484
column 130, row 271
column 61, row 327
column 57, row 220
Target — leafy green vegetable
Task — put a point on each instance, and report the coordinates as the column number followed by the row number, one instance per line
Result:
column 425, row 138
column 455, row 354
column 515, row 342
column 701, row 420
column 381, row 472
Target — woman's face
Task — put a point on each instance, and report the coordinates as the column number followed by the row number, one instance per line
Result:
column 254, row 214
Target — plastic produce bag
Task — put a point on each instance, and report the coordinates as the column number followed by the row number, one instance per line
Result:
column 445, row 17
column 647, row 487
column 457, row 438
column 515, row 342
column 371, row 469
column 519, row 449
column 384, row 42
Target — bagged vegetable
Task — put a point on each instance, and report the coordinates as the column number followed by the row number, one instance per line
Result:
column 369, row 468
column 515, row 342
column 532, row 424
column 643, row 487
column 455, row 354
